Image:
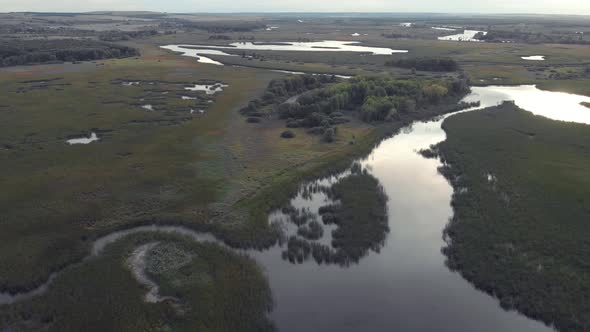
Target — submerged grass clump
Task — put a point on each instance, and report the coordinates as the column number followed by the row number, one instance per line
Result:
column 360, row 217
column 312, row 231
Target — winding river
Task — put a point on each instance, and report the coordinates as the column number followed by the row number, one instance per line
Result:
column 405, row 286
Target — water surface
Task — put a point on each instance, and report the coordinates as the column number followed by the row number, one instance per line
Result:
column 466, row 36
column 197, row 53
column 534, row 58
column 209, row 89
column 320, row 46
column 84, row 140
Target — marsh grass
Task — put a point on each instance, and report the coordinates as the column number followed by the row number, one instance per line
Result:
column 521, row 236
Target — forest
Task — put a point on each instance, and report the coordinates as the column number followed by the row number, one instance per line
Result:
column 322, row 101
column 25, row 52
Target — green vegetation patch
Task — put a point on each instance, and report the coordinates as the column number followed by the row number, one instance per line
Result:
column 522, row 212
column 426, row 64
column 325, row 102
column 361, row 217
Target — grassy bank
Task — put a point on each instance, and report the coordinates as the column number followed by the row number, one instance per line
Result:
column 213, row 289
column 521, row 205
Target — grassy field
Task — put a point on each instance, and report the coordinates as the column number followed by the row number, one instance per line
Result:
column 147, row 165
column 209, row 172
column 520, row 229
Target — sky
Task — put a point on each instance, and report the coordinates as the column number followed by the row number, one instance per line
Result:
column 581, row 7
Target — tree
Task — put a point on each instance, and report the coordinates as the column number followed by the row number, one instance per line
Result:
column 329, row 135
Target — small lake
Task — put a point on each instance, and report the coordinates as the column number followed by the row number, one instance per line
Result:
column 466, row 36
column 444, row 29
column 197, row 53
column 83, row 140
column 320, row 46
column 302, row 73
column 534, row 58
column 209, row 89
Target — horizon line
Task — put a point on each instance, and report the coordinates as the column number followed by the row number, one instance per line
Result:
column 287, row 12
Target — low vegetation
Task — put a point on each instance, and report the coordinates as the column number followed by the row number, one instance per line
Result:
column 521, row 224
column 425, row 64
column 361, row 217
column 518, row 36
column 118, row 35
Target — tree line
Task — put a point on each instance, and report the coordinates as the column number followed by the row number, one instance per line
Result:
column 322, row 101
column 425, row 64
column 24, row 52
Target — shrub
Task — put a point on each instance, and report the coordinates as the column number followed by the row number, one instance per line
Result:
column 288, row 134
column 254, row 120
column 329, row 135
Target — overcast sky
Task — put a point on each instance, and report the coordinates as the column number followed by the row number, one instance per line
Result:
column 442, row 6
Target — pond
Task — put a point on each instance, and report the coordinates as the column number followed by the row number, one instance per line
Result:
column 197, row 53
column 466, row 36
column 209, row 89
column 534, row 58
column 84, row 140
column 320, row 46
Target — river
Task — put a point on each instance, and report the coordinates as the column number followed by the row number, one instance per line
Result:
column 405, row 286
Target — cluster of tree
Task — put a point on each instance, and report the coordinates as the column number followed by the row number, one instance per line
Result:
column 425, row 64
column 394, row 35
column 119, row 35
column 220, row 37
column 319, row 102
column 281, row 89
column 43, row 30
column 223, row 26
column 22, row 52
column 533, row 38
column 372, row 98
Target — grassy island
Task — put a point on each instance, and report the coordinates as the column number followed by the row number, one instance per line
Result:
column 522, row 212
